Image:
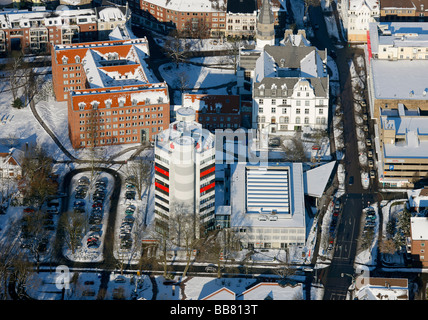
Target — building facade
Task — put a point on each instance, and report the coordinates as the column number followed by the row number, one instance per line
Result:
column 418, row 241
column 113, row 98
column 398, row 101
column 202, row 18
column 290, row 89
column 267, row 207
column 403, row 10
column 119, row 115
column 38, row 30
column 356, row 16
column 215, row 111
column 184, row 176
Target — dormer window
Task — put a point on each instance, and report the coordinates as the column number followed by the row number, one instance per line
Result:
column 64, row 60
column 77, row 58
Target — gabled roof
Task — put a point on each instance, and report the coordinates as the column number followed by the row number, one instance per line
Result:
column 221, row 294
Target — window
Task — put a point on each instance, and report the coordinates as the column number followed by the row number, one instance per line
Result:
column 298, row 111
column 273, row 110
column 260, row 101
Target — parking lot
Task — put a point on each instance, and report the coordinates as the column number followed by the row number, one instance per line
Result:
column 90, row 197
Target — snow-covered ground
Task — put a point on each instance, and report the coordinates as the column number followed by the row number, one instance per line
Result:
column 47, row 285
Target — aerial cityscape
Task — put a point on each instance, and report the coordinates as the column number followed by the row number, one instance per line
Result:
column 213, row 150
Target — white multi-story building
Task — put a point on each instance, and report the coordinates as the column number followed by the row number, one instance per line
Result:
column 185, row 173
column 356, row 16
column 398, row 40
column 290, row 89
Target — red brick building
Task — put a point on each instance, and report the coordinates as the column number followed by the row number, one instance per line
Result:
column 186, row 15
column 215, row 111
column 112, row 96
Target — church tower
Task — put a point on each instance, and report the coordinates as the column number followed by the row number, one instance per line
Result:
column 265, row 26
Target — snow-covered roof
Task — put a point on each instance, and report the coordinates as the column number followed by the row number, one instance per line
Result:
column 282, row 61
column 357, row 5
column 221, row 294
column 400, row 79
column 316, row 179
column 190, row 5
column 419, row 228
column 111, row 14
column 271, row 291
column 418, row 198
column 383, row 289
column 244, row 215
column 407, row 124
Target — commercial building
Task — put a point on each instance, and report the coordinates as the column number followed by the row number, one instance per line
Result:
column 267, row 207
column 38, row 30
column 184, row 176
column 398, row 101
column 113, row 98
column 265, row 204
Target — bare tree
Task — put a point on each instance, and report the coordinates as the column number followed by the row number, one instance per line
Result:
column 9, row 254
column 139, row 173
column 182, row 82
column 175, row 47
column 36, row 182
column 35, row 234
column 184, row 229
column 295, row 150
column 72, row 225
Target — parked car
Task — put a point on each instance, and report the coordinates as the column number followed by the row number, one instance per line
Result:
column 130, row 195
column 83, row 181
column 79, row 203
column 368, row 142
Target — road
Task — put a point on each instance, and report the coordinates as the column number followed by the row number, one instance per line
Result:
column 334, row 278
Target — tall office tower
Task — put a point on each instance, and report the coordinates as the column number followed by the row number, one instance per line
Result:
column 184, row 177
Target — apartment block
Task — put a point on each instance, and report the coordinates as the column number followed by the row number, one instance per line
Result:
column 202, row 18
column 37, row 30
